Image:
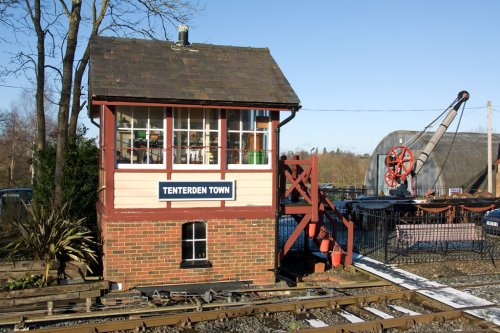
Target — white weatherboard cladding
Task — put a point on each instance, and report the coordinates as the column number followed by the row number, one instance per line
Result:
column 252, row 189
column 138, row 189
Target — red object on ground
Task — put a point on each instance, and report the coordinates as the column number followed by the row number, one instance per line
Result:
column 336, row 256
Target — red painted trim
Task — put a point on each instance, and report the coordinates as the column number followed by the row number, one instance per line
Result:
column 109, row 156
column 202, row 213
column 223, row 154
column 170, row 138
column 296, row 210
column 169, row 153
column 222, row 172
column 110, row 103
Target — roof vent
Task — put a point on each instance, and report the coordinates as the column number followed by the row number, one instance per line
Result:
column 183, row 35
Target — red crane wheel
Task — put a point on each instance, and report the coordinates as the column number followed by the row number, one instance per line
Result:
column 399, row 162
column 389, row 179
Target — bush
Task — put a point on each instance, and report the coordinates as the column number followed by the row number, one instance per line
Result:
column 25, row 282
column 49, row 234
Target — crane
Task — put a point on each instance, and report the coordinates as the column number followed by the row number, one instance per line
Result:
column 399, row 160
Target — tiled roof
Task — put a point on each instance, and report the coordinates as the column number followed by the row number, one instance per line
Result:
column 159, row 71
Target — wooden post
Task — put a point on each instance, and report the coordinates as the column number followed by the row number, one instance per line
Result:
column 295, row 195
column 490, row 157
column 50, row 308
column 282, row 178
column 88, row 304
column 314, row 188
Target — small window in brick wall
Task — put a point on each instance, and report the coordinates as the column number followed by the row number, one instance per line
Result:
column 194, row 245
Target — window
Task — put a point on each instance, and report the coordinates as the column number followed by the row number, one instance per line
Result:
column 139, row 136
column 196, row 137
column 248, row 137
column 194, row 245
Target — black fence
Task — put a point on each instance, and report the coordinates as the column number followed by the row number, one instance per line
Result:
column 393, row 237
column 344, row 193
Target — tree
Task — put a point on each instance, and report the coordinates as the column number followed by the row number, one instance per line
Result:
column 81, row 181
column 18, row 131
column 58, row 28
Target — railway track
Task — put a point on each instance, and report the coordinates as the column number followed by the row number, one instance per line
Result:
column 398, row 311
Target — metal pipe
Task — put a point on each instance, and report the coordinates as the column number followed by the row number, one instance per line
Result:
column 277, row 189
column 93, row 122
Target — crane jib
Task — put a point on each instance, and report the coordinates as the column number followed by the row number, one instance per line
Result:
column 399, row 160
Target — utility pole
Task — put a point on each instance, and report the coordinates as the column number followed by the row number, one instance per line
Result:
column 490, row 157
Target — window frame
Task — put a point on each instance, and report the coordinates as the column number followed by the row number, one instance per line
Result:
column 148, row 129
column 192, row 261
column 254, row 131
column 191, row 166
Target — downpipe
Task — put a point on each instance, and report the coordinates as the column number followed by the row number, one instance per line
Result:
column 277, row 189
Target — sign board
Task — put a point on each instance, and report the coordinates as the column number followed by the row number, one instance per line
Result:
column 454, row 191
column 195, row 190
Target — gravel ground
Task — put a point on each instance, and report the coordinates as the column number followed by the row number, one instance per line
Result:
column 452, row 269
column 449, row 273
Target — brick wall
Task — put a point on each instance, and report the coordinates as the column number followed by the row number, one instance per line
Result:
column 150, row 252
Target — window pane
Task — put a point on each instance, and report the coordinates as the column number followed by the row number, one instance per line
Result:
column 213, row 156
column 247, row 120
column 187, row 231
column 124, row 117
column 122, row 155
column 247, row 141
column 233, row 140
column 180, row 156
column 155, row 139
column 141, row 115
column 180, row 139
column 212, row 120
column 262, row 123
column 196, row 119
column 181, row 118
column 187, row 250
column 156, row 118
column 195, row 139
column 195, row 155
column 233, row 120
column 200, row 251
column 156, row 156
column 200, row 230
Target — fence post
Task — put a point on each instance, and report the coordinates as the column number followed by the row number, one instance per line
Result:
column 314, row 188
column 386, row 239
column 282, row 178
column 295, row 174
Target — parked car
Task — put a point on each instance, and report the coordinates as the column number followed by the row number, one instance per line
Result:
column 491, row 222
column 327, row 186
column 11, row 201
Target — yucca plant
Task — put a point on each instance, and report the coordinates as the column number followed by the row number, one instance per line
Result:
column 49, row 235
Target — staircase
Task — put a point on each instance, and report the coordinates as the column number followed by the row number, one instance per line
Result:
column 301, row 198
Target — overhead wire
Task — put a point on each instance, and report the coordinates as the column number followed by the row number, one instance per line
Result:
column 383, row 110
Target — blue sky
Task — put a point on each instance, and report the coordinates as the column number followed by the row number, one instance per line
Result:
column 368, row 55
column 367, row 58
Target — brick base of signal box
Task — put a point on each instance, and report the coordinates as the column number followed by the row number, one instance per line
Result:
column 150, row 252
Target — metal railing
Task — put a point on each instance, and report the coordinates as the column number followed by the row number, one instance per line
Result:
column 394, row 237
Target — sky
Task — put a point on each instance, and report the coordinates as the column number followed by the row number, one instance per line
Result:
column 363, row 69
